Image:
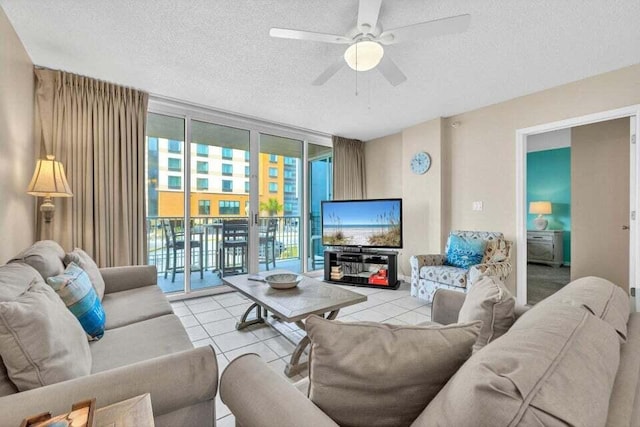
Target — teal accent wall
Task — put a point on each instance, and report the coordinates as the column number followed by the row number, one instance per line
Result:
column 549, row 178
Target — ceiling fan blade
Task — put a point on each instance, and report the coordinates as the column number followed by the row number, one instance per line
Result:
column 368, row 11
column 329, row 72
column 285, row 33
column 423, row 30
column 390, row 71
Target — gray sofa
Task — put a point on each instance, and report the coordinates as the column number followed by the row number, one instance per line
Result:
column 145, row 349
column 573, row 359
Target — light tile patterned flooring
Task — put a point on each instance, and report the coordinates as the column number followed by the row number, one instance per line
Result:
column 211, row 321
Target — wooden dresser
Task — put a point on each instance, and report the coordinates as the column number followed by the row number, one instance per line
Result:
column 545, row 247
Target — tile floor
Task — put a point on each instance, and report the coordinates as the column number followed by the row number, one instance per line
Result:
column 211, row 321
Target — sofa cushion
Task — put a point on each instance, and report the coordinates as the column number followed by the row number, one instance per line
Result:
column 372, row 374
column 625, row 393
column 15, row 279
column 149, row 302
column 139, row 341
column 41, row 342
column 555, row 367
column 76, row 291
column 45, row 256
column 82, row 259
column 488, row 300
column 463, row 252
column 6, row 386
column 601, row 297
column 445, row 274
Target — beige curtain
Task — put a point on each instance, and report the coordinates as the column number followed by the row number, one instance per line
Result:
column 97, row 130
column 348, row 169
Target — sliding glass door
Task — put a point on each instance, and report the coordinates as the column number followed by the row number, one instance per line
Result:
column 280, row 203
column 224, row 200
column 320, row 176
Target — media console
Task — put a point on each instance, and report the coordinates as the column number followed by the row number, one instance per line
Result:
column 373, row 268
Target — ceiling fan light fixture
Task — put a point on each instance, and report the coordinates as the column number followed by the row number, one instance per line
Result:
column 364, row 55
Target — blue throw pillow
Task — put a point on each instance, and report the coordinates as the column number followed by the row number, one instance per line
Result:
column 464, row 253
column 75, row 289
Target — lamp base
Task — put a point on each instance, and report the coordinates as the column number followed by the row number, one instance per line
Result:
column 47, row 208
column 540, row 223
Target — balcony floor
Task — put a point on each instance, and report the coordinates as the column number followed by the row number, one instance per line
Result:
column 212, row 279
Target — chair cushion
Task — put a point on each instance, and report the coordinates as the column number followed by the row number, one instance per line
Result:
column 445, row 274
column 530, row 375
column 41, row 342
column 463, row 252
column 139, row 341
column 85, row 262
column 488, row 300
column 15, row 279
column 372, row 374
column 76, row 291
column 149, row 302
column 45, row 256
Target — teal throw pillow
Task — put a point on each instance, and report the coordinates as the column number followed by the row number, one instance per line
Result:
column 76, row 291
column 463, row 252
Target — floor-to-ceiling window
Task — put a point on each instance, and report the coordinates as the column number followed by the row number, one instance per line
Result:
column 234, row 173
column 320, row 175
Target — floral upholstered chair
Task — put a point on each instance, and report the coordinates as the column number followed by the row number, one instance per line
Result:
column 431, row 272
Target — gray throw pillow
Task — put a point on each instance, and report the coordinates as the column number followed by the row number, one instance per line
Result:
column 490, row 301
column 372, row 374
column 45, row 256
column 41, row 342
column 85, row 262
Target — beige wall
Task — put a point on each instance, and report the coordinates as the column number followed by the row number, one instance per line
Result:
column 600, row 201
column 388, row 175
column 479, row 154
column 17, row 158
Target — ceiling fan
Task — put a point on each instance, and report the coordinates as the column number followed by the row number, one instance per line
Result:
column 366, row 41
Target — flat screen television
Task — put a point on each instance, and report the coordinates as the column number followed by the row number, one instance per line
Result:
column 362, row 223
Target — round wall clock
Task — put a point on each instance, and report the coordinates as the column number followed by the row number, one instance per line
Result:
column 420, row 163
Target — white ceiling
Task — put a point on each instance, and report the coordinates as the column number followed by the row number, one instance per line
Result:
column 218, row 53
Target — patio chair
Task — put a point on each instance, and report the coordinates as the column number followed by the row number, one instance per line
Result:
column 235, row 237
column 268, row 241
column 174, row 242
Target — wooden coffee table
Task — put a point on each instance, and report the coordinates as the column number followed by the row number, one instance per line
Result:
column 292, row 306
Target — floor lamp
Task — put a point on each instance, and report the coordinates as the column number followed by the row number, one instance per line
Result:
column 49, row 181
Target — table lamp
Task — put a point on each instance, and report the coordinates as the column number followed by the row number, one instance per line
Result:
column 540, row 208
column 49, row 181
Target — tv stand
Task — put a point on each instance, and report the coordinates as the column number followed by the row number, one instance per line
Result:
column 373, row 268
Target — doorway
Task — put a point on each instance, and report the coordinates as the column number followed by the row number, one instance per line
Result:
column 596, row 229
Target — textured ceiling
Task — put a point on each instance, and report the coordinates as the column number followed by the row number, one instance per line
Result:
column 219, row 54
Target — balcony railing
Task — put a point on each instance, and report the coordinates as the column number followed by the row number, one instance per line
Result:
column 208, row 231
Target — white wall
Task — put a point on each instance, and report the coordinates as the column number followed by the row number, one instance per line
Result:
column 17, row 147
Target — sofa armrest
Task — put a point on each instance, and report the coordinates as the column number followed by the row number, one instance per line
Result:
column 118, row 279
column 174, row 381
column 501, row 270
column 257, row 396
column 446, row 306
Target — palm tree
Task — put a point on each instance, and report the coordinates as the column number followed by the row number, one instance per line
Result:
column 272, row 206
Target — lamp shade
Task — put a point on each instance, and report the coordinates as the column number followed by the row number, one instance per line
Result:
column 364, row 55
column 540, row 208
column 49, row 179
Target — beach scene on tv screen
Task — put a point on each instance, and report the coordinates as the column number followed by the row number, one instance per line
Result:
column 362, row 223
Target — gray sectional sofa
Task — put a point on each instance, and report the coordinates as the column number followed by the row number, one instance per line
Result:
column 573, row 359
column 145, row 349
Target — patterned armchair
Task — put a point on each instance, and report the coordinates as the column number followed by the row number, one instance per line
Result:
column 429, row 272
